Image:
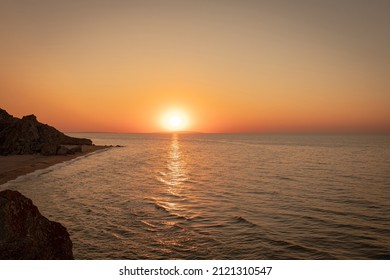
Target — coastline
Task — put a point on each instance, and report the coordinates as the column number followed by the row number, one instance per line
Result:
column 13, row 166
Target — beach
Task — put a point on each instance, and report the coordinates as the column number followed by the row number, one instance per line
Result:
column 13, row 166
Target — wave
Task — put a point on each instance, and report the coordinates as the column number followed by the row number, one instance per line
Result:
column 173, row 181
column 240, row 219
column 149, row 224
column 160, row 207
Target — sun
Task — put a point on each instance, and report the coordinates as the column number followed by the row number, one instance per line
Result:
column 175, row 121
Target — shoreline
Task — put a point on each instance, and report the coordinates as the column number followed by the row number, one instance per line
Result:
column 13, row 166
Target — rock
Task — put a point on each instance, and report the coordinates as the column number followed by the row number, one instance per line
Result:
column 4, row 116
column 30, row 118
column 28, row 136
column 76, row 149
column 26, row 234
column 84, row 148
column 49, row 149
column 63, row 151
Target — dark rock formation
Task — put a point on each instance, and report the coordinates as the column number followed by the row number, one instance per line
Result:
column 49, row 149
column 63, row 151
column 28, row 136
column 5, row 116
column 26, row 234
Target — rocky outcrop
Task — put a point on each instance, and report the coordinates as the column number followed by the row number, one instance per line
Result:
column 26, row 234
column 28, row 136
column 5, row 116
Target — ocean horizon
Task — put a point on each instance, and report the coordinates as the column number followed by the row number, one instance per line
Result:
column 221, row 196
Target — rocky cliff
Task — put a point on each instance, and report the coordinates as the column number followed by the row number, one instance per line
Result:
column 26, row 234
column 28, row 136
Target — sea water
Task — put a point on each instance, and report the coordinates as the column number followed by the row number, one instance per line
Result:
column 221, row 196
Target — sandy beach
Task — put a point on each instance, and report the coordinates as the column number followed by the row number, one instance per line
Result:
column 14, row 166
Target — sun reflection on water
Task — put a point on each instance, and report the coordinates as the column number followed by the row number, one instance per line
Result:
column 176, row 167
column 173, row 178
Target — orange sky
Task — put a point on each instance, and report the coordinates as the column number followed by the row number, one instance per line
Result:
column 228, row 66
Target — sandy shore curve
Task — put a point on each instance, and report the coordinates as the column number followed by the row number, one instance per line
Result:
column 13, row 166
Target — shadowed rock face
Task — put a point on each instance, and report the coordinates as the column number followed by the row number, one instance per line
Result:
column 26, row 234
column 28, row 136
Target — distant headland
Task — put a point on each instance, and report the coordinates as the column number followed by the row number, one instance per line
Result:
column 28, row 136
column 27, row 145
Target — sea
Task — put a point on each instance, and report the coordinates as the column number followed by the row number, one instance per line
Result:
column 221, row 196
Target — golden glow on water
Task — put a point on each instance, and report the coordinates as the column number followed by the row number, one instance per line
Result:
column 173, row 178
column 176, row 164
column 205, row 196
column 176, row 167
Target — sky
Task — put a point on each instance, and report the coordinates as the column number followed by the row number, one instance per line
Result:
column 219, row 66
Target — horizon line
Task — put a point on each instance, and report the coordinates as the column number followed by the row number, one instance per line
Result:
column 249, row 132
